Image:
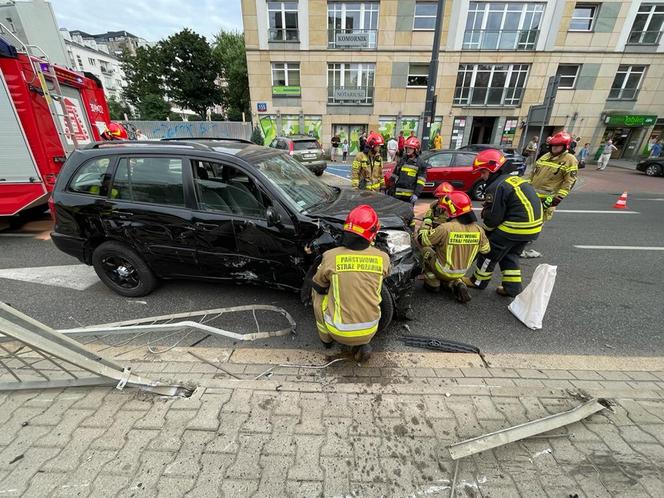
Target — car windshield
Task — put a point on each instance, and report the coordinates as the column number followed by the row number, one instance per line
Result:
column 305, row 144
column 296, row 182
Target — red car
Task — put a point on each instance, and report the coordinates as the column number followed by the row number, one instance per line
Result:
column 452, row 166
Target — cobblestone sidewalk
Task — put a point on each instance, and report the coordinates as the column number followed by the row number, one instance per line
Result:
column 342, row 431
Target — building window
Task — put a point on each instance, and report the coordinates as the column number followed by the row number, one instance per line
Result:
column 352, row 25
column 583, row 17
column 282, row 18
column 502, row 26
column 490, row 84
column 92, row 61
column 647, row 27
column 418, row 75
column 568, row 74
column 350, row 83
column 285, row 79
column 425, row 16
column 80, row 62
column 627, row 82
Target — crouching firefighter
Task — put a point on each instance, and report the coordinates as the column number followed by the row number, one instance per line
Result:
column 347, row 287
column 410, row 173
column 436, row 214
column 450, row 249
column 512, row 216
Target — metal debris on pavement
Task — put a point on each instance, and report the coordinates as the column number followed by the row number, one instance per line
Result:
column 527, row 430
column 292, row 365
column 436, row 344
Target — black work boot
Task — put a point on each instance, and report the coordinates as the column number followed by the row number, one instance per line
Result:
column 363, row 353
column 461, row 292
column 327, row 345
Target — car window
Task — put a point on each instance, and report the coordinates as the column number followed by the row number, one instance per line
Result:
column 464, row 159
column 91, row 177
column 226, row 189
column 274, row 144
column 305, row 145
column 281, row 144
column 157, row 180
column 440, row 160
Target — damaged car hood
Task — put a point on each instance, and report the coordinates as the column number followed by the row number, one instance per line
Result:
column 393, row 214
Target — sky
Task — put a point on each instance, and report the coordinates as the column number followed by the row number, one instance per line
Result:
column 152, row 20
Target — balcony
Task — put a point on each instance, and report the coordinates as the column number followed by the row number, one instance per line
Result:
column 350, row 95
column 281, row 35
column 488, row 96
column 352, row 39
column 494, row 40
column 644, row 38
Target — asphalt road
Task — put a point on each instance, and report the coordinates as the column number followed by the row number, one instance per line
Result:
column 604, row 301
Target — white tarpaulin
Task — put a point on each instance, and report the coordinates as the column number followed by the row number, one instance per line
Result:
column 530, row 306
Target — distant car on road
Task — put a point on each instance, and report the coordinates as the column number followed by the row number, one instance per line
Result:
column 305, row 149
column 515, row 161
column 653, row 166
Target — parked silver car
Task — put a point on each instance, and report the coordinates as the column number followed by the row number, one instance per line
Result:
column 305, row 149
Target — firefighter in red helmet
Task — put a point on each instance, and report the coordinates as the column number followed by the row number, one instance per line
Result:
column 436, row 214
column 346, row 289
column 115, row 131
column 367, row 169
column 409, row 175
column 450, row 249
column 512, row 216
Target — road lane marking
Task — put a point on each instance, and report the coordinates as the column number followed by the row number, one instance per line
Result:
column 622, row 248
column 77, row 277
column 585, row 211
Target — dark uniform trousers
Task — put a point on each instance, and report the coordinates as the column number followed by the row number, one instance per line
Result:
column 505, row 253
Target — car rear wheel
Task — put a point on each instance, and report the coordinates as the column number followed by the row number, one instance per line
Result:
column 122, row 270
column 478, row 191
column 319, row 172
column 386, row 308
column 653, row 170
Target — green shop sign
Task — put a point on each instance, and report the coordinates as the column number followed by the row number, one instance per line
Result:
column 630, row 120
column 286, row 91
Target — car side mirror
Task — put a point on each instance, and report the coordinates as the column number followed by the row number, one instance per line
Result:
column 273, row 218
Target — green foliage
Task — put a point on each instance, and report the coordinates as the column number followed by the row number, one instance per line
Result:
column 118, row 109
column 153, row 108
column 257, row 136
column 191, row 72
column 145, row 85
column 230, row 52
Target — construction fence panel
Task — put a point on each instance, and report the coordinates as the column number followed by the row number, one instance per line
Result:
column 157, row 130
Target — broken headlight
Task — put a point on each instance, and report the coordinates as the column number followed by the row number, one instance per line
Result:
column 397, row 241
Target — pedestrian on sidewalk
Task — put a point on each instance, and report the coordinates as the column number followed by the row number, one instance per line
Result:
column 582, row 156
column 603, row 160
column 656, row 149
column 334, row 153
column 437, row 141
column 392, row 148
column 344, row 150
column 346, row 290
column 401, row 143
column 531, row 152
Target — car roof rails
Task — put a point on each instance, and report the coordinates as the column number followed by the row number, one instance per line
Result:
column 208, row 139
column 143, row 143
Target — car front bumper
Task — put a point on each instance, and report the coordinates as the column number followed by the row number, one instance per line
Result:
column 400, row 282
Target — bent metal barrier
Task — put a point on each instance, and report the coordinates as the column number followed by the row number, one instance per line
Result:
column 34, row 356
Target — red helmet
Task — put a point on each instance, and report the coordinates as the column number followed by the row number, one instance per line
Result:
column 413, row 143
column 363, row 221
column 117, row 131
column 561, row 138
column 489, row 159
column 455, row 204
column 443, row 189
column 375, row 140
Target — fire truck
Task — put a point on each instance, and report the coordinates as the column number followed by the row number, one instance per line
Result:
column 46, row 111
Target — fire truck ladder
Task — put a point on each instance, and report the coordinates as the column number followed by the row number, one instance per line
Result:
column 38, row 63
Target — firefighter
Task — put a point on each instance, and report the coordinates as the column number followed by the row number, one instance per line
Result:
column 450, row 249
column 512, row 215
column 555, row 173
column 115, row 131
column 436, row 214
column 346, row 290
column 410, row 173
column 367, row 170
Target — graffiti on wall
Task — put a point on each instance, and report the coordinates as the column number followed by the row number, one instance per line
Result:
column 193, row 129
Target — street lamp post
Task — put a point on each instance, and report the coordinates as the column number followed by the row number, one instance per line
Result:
column 430, row 102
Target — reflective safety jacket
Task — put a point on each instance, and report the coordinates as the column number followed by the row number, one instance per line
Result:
column 353, row 279
column 408, row 176
column 554, row 175
column 435, row 215
column 367, row 172
column 512, row 206
column 456, row 246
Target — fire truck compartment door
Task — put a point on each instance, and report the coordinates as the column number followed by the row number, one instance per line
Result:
column 77, row 115
column 17, row 164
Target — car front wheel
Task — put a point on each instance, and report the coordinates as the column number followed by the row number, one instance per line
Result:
column 653, row 170
column 478, row 191
column 123, row 270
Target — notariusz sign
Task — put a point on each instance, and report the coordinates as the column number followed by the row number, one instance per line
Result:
column 351, row 39
column 350, row 93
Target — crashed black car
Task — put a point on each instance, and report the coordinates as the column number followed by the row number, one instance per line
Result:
column 213, row 210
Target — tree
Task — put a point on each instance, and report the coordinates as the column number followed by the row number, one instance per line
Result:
column 191, row 72
column 257, row 136
column 229, row 49
column 144, row 74
column 153, row 108
column 118, row 109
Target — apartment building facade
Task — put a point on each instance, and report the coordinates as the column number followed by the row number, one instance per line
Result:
column 325, row 67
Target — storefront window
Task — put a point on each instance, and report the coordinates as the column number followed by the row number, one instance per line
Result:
column 458, row 129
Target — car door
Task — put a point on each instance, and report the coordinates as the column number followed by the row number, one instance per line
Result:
column 232, row 202
column 438, row 170
column 148, row 208
column 464, row 177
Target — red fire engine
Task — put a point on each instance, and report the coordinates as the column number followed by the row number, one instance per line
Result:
column 46, row 111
